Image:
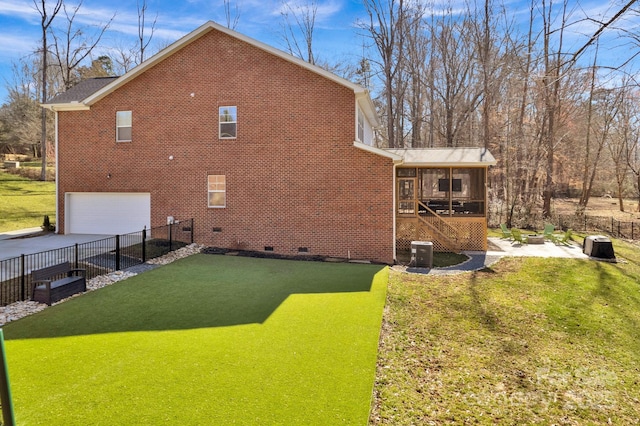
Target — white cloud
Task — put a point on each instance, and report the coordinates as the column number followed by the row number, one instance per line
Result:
column 325, row 10
column 16, row 45
column 21, row 8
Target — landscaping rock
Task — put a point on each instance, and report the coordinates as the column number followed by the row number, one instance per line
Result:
column 19, row 310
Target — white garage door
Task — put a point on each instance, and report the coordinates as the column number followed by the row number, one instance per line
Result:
column 107, row 213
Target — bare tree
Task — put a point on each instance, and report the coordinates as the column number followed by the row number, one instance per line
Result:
column 385, row 27
column 143, row 40
column 20, row 116
column 618, row 138
column 232, row 20
column 551, row 81
column 47, row 16
column 630, row 126
column 298, row 27
column 457, row 91
column 491, row 64
column 74, row 46
column 591, row 158
column 415, row 63
column 123, row 56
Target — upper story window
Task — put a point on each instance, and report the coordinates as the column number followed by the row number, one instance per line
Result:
column 228, row 122
column 360, row 126
column 123, row 126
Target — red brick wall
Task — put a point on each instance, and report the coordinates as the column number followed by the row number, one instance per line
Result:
column 294, row 178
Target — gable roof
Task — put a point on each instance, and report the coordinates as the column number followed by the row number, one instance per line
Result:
column 72, row 102
column 444, row 157
column 83, row 89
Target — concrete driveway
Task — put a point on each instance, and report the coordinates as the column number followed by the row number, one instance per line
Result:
column 13, row 244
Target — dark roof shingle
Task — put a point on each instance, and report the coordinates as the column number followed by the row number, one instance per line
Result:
column 82, row 90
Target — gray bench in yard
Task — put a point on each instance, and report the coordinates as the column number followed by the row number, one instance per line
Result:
column 57, row 282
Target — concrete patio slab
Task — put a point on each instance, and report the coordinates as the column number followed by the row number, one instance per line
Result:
column 505, row 247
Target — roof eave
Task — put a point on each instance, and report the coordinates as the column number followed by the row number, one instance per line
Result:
column 204, row 29
column 451, row 164
column 378, row 151
column 71, row 106
column 369, row 108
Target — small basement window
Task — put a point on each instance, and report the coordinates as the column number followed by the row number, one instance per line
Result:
column 124, row 126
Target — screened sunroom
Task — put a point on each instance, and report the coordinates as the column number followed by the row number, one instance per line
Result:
column 441, row 196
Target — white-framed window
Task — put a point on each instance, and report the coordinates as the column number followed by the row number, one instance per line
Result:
column 217, row 191
column 123, row 126
column 228, row 122
column 360, row 126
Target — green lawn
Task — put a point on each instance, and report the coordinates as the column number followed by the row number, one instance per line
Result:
column 527, row 341
column 25, row 202
column 207, row 340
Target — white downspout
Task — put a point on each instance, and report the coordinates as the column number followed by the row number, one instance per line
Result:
column 57, row 169
column 395, row 209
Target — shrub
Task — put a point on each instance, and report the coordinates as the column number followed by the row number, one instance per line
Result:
column 47, row 226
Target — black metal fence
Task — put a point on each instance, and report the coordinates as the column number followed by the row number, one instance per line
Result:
column 608, row 225
column 97, row 257
column 585, row 223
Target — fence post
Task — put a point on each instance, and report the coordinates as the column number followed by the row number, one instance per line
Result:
column 170, row 237
column 144, row 244
column 8, row 417
column 117, row 252
column 191, row 231
column 23, row 279
column 632, row 230
column 76, row 257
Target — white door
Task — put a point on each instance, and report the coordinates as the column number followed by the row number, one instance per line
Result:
column 107, row 213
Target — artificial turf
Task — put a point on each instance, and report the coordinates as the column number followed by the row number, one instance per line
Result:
column 215, row 340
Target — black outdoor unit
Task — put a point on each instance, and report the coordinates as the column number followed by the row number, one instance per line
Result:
column 598, row 246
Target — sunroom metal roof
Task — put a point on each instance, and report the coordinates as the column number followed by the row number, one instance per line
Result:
column 444, row 157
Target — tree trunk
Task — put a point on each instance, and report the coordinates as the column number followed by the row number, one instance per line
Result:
column 43, row 98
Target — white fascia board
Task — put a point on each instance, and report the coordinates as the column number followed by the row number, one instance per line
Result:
column 455, row 165
column 381, row 152
column 72, row 106
column 366, row 105
column 199, row 32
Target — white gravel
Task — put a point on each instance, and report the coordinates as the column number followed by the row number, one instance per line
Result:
column 19, row 310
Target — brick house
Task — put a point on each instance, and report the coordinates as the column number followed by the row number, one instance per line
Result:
column 263, row 150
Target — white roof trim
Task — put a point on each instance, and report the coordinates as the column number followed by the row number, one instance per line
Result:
column 366, row 105
column 378, row 151
column 204, row 29
column 71, row 106
column 445, row 157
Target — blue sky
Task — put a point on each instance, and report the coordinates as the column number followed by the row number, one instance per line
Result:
column 336, row 38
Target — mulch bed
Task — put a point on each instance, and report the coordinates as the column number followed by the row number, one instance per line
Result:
column 262, row 254
column 269, row 255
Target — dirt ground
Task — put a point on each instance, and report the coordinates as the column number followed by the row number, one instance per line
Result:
column 600, row 206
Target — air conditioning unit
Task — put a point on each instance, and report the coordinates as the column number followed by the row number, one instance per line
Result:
column 422, row 254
